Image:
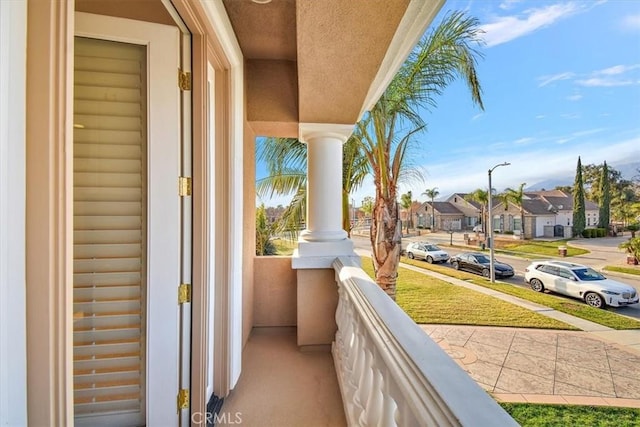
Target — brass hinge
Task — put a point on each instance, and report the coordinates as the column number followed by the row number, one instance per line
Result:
column 184, row 186
column 184, row 80
column 184, row 293
column 183, row 399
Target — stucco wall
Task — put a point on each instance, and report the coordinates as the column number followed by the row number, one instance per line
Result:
column 274, row 301
column 249, row 234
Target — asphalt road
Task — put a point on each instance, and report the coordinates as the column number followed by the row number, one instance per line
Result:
column 604, row 252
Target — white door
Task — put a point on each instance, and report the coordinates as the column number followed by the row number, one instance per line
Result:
column 127, row 222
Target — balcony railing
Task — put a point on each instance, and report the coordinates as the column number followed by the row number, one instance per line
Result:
column 391, row 373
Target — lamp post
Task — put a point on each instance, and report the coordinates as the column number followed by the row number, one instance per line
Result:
column 410, row 222
column 491, row 254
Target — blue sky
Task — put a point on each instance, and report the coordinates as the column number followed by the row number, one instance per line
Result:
column 560, row 79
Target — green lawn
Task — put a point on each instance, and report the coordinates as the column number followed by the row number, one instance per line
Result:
column 627, row 270
column 563, row 304
column 534, row 415
column 540, row 248
column 429, row 300
column 284, row 247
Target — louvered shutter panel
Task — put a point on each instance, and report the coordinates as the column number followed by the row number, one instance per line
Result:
column 109, row 229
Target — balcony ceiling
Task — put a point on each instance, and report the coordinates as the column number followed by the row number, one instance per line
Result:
column 322, row 61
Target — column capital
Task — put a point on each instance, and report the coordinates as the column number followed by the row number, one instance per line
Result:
column 308, row 131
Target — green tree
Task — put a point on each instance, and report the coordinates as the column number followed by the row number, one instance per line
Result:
column 386, row 132
column 517, row 197
column 432, row 193
column 354, row 170
column 286, row 162
column 605, row 198
column 264, row 231
column 405, row 202
column 579, row 215
column 367, row 206
column 481, row 197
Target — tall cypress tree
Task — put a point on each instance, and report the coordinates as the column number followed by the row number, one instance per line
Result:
column 605, row 199
column 579, row 216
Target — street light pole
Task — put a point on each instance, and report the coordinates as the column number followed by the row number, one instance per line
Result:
column 492, row 268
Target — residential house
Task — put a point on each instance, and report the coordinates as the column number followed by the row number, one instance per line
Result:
column 440, row 215
column 471, row 209
column 130, row 293
column 546, row 214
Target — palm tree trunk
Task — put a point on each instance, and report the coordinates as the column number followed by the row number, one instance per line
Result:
column 386, row 232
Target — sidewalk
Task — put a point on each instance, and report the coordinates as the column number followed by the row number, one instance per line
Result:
column 598, row 366
column 595, row 366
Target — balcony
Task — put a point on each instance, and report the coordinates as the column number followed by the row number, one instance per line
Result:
column 382, row 370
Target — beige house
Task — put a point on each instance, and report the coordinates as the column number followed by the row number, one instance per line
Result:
column 546, row 214
column 129, row 290
column 471, row 209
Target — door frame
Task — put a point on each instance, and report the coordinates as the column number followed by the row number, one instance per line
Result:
column 49, row 221
column 163, row 156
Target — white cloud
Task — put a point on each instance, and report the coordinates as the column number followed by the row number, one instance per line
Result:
column 540, row 116
column 609, row 77
column 631, row 22
column 559, row 162
column 574, row 97
column 570, row 116
column 603, row 82
column 545, row 80
column 477, row 116
column 508, row 4
column 523, row 141
column 507, row 28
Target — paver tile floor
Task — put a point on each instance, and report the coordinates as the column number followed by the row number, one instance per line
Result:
column 544, row 366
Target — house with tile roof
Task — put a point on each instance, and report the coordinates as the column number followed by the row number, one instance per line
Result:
column 440, row 216
column 471, row 209
column 546, row 214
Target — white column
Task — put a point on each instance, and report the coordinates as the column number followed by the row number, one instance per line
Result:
column 324, row 239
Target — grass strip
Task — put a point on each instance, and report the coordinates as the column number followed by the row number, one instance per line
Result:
column 536, row 247
column 429, row 300
column 538, row 415
column 605, row 317
column 627, row 270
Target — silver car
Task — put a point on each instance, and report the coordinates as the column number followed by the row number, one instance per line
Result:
column 426, row 251
column 579, row 281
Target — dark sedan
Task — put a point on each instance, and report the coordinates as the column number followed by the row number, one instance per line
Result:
column 479, row 263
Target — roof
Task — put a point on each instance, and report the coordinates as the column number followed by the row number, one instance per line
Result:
column 473, row 203
column 445, row 208
column 536, row 207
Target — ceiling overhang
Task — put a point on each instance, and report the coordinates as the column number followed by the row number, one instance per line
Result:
column 310, row 61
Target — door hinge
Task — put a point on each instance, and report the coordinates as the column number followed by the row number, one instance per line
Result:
column 184, row 80
column 184, row 293
column 183, row 399
column 184, row 186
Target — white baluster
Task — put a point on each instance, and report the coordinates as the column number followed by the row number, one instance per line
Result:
column 373, row 416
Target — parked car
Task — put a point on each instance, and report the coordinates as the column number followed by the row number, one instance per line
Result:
column 579, row 281
column 479, row 263
column 426, row 251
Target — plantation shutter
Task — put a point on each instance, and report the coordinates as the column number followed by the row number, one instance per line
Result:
column 109, row 231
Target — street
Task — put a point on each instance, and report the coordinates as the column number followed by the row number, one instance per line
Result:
column 603, row 252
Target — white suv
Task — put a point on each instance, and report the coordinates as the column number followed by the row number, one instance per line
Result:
column 579, row 281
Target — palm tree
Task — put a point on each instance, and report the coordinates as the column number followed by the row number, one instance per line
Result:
column 405, row 202
column 286, row 161
column 482, row 197
column 517, row 196
column 386, row 132
column 432, row 193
